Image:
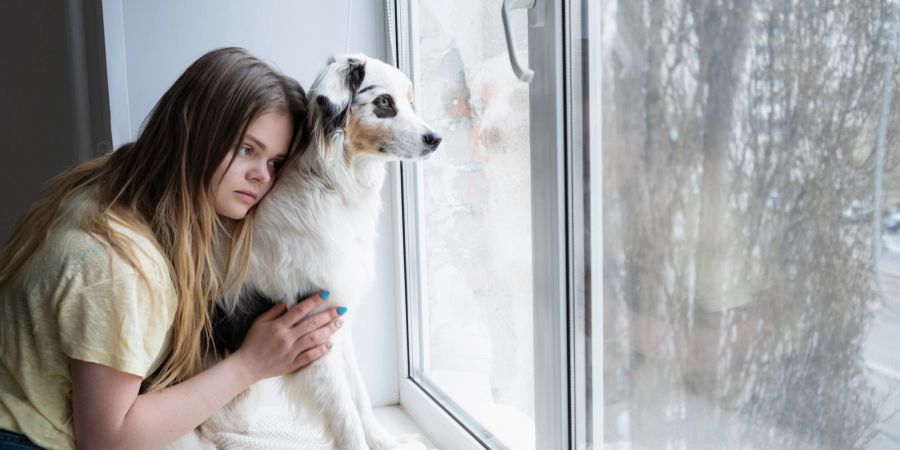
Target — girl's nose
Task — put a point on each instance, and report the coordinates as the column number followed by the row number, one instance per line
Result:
column 260, row 172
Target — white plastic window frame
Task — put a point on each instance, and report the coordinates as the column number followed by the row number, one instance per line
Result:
column 585, row 225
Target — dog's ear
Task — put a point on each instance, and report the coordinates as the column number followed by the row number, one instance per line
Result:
column 356, row 71
column 335, row 89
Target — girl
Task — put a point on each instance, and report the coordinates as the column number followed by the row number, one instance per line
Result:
column 105, row 283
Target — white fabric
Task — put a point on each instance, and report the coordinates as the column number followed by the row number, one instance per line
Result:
column 273, row 429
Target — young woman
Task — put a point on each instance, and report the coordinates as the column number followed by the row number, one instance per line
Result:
column 105, row 283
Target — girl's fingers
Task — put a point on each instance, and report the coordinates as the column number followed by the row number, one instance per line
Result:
column 300, row 310
column 320, row 335
column 271, row 314
column 317, row 321
column 311, row 355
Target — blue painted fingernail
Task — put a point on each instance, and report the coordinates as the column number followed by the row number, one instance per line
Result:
column 324, row 295
column 341, row 310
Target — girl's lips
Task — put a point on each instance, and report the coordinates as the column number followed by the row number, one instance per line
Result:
column 246, row 196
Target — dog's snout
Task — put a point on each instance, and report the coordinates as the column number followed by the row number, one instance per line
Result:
column 432, row 140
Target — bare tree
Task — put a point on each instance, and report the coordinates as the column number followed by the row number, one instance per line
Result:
column 739, row 132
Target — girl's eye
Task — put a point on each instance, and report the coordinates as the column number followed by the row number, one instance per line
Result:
column 245, row 150
column 275, row 164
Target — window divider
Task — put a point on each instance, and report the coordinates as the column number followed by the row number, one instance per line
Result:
column 552, row 327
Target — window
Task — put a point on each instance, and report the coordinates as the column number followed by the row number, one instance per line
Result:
column 740, row 305
column 714, row 198
column 472, row 344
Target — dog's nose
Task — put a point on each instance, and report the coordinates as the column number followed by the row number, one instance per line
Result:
column 432, row 140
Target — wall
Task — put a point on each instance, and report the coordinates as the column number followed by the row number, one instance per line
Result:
column 53, row 99
column 150, row 43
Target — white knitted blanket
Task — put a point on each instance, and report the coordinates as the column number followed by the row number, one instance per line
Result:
column 274, row 428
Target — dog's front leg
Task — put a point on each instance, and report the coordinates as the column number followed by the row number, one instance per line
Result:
column 325, row 383
column 376, row 436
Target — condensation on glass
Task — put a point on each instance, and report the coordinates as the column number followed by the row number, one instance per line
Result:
column 740, row 302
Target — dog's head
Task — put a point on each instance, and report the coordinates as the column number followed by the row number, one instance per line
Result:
column 372, row 104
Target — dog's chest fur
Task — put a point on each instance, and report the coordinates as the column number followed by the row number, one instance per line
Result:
column 316, row 231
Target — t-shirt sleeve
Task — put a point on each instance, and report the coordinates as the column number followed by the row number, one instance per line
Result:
column 119, row 322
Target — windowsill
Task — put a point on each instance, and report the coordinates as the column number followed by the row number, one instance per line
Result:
column 396, row 421
column 273, row 422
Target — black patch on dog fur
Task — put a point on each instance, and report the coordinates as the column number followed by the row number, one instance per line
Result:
column 229, row 328
column 335, row 116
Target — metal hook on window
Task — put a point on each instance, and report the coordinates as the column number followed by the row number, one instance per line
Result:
column 508, row 5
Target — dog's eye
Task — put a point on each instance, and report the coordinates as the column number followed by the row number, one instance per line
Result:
column 384, row 102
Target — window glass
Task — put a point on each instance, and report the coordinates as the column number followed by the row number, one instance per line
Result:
column 475, row 304
column 741, row 300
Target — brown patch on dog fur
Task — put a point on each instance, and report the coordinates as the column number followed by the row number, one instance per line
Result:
column 409, row 95
column 361, row 139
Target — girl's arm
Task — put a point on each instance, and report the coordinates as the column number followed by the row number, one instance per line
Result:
column 109, row 413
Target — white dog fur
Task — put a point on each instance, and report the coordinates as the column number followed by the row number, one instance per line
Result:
column 315, row 230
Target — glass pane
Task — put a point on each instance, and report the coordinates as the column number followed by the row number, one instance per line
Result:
column 475, row 237
column 741, row 301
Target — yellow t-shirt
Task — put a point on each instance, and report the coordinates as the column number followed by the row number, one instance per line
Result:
column 78, row 299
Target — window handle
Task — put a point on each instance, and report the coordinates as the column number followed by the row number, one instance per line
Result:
column 508, row 5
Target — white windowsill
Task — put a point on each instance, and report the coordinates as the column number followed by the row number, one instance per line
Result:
column 397, row 421
column 273, row 410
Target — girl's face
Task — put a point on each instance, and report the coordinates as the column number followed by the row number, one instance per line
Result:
column 259, row 155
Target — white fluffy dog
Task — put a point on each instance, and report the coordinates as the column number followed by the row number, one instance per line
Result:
column 316, row 230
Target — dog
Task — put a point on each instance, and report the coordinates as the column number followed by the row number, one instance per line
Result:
column 316, row 230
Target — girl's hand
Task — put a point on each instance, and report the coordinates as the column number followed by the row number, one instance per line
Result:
column 281, row 342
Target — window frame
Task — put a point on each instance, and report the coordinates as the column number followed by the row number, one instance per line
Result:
column 584, row 208
column 552, row 257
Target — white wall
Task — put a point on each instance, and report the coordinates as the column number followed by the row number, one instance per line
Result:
column 150, row 43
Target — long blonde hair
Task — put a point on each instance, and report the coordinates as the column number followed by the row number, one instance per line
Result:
column 161, row 184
